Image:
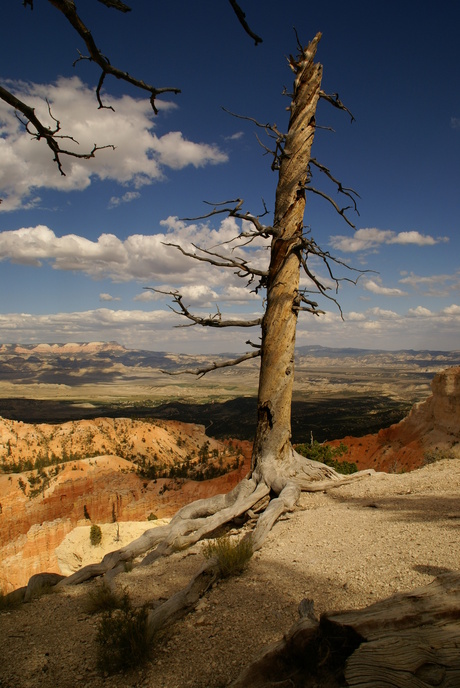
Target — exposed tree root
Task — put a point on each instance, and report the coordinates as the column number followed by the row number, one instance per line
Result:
column 183, row 601
column 190, row 524
column 199, row 519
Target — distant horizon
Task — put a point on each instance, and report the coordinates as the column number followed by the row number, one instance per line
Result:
column 218, row 353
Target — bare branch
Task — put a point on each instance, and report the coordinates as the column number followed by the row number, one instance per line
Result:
column 340, row 211
column 68, row 9
column 310, row 247
column 200, row 372
column 242, row 268
column 116, row 4
column 261, row 230
column 242, row 19
column 334, row 100
column 272, row 131
column 211, row 321
column 51, row 136
column 346, row 191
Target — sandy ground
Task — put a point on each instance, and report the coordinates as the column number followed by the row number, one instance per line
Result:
column 344, row 549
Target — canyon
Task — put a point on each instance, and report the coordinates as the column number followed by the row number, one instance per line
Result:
column 61, row 476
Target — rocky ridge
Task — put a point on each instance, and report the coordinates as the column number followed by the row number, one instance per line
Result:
column 429, row 432
column 38, row 508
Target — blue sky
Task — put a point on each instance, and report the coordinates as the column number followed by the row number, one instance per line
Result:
column 77, row 251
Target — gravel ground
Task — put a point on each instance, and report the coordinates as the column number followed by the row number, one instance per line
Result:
column 345, row 549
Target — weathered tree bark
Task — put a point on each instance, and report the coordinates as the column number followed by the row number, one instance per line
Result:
column 409, row 640
column 272, row 445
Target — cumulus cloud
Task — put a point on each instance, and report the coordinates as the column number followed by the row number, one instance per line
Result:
column 153, row 329
column 150, row 259
column 375, row 287
column 234, row 137
column 418, row 328
column 108, row 297
column 127, row 197
column 433, row 285
column 370, row 239
column 140, row 156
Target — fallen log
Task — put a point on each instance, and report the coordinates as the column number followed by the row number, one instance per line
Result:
column 409, row 640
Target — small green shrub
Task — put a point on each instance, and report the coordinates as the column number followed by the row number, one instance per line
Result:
column 433, row 455
column 122, row 638
column 152, row 517
column 232, row 556
column 102, row 599
column 95, row 535
column 328, row 455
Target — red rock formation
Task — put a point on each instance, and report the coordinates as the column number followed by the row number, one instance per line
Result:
column 431, row 429
column 101, row 489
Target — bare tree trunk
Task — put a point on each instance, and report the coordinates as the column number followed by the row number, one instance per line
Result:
column 276, row 467
column 272, row 444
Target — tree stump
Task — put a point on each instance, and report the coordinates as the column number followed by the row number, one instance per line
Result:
column 409, row 640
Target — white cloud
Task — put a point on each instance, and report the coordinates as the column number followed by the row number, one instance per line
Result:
column 139, row 158
column 433, row 285
column 419, row 328
column 375, row 287
column 176, row 152
column 234, row 137
column 368, row 239
column 139, row 257
column 156, row 329
column 455, row 122
column 419, row 312
column 108, row 297
column 375, row 328
column 127, row 197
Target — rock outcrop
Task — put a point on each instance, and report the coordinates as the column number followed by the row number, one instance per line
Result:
column 430, row 431
column 36, row 517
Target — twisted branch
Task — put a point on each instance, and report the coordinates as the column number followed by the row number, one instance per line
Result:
column 211, row 321
column 51, row 136
column 242, row 19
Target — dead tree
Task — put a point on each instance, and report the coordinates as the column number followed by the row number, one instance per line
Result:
column 278, row 473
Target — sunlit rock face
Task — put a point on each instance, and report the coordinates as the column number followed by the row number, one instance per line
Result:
column 100, row 489
column 431, row 430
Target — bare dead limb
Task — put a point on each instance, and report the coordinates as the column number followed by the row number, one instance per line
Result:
column 68, row 9
column 340, row 211
column 211, row 321
column 272, row 132
column 334, row 100
column 225, row 207
column 351, row 193
column 116, row 4
column 51, row 136
column 200, row 372
column 242, row 19
column 242, row 267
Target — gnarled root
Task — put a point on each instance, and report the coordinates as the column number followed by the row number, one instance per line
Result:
column 190, row 524
column 286, row 479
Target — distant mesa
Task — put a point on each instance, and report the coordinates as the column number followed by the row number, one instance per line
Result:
column 70, row 347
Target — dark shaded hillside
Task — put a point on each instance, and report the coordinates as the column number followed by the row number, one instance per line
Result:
column 325, row 418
